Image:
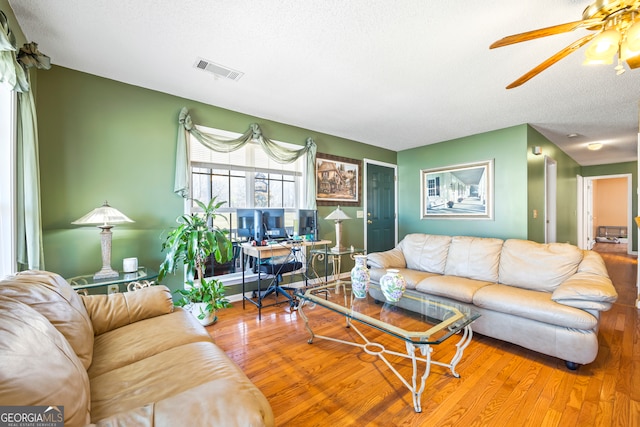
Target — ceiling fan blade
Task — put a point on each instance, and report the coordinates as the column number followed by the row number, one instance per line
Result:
column 634, row 62
column 552, row 60
column 544, row 32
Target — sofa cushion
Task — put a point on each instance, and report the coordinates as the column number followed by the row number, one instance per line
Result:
column 586, row 290
column 411, row 277
column 393, row 258
column 197, row 382
column 532, row 305
column 139, row 340
column 537, row 266
column 474, row 257
column 51, row 295
column 37, row 364
column 457, row 288
column 425, row 252
column 593, row 263
column 108, row 312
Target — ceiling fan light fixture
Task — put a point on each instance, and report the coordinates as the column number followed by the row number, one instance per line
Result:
column 632, row 39
column 626, row 52
column 603, row 47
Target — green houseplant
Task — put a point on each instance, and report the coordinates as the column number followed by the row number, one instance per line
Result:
column 190, row 244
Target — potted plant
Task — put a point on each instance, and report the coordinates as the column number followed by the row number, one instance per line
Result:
column 190, row 244
column 204, row 299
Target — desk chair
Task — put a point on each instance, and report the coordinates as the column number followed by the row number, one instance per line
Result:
column 276, row 268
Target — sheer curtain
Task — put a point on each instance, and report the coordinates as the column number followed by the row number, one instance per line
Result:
column 274, row 150
column 14, row 73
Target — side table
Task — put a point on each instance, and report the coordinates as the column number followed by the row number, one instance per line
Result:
column 132, row 281
column 335, row 258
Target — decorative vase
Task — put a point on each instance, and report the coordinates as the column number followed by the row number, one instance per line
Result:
column 392, row 285
column 360, row 277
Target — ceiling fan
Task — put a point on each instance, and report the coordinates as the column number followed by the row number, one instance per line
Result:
column 616, row 26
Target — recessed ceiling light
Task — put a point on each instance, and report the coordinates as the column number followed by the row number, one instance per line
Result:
column 572, row 135
column 594, row 146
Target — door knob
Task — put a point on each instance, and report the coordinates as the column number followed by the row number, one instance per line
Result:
column 369, row 221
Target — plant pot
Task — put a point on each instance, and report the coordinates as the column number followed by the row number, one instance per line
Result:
column 392, row 285
column 200, row 312
column 360, row 277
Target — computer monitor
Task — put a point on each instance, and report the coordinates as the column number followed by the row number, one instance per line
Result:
column 273, row 223
column 308, row 223
column 246, row 224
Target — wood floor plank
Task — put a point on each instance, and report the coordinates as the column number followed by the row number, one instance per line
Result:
column 330, row 384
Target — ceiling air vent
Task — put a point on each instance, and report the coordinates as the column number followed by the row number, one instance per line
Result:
column 218, row 70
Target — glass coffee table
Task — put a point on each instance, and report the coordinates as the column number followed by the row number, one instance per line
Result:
column 416, row 319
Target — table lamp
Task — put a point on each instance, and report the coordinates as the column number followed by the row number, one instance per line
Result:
column 105, row 216
column 338, row 216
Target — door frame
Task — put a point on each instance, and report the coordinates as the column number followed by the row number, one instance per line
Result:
column 550, row 200
column 365, row 195
column 588, row 182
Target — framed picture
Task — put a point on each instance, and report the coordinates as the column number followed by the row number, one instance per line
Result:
column 338, row 180
column 457, row 192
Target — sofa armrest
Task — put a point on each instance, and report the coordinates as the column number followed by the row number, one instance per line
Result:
column 108, row 312
column 586, row 290
column 393, row 258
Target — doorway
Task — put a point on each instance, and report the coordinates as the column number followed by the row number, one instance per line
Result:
column 550, row 199
column 380, row 203
column 606, row 212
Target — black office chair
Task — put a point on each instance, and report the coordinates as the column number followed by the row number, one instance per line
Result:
column 276, row 267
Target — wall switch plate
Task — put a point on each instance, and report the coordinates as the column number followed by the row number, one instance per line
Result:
column 359, row 214
column 112, row 289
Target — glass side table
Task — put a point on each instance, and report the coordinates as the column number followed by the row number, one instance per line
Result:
column 335, row 258
column 130, row 281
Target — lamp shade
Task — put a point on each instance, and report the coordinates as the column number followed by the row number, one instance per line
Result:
column 105, row 214
column 603, row 47
column 633, row 37
column 338, row 215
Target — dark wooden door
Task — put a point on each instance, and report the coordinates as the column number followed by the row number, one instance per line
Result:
column 380, row 210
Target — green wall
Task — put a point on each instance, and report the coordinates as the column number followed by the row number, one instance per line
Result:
column 507, row 147
column 567, row 200
column 617, row 169
column 105, row 140
column 515, row 168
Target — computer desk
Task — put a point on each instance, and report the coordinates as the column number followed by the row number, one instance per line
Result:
column 277, row 249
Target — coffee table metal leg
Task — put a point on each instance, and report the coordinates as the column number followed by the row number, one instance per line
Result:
column 464, row 342
column 306, row 320
column 376, row 349
column 417, row 392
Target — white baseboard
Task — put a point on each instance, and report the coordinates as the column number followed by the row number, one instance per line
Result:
column 299, row 284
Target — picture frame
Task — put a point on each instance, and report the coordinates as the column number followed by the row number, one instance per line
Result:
column 463, row 191
column 338, row 180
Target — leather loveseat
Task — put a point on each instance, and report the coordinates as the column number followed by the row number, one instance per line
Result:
column 544, row 297
column 125, row 359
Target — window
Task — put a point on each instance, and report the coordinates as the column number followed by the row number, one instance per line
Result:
column 8, row 263
column 433, row 185
column 246, row 178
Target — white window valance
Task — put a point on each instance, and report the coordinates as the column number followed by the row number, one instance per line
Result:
column 274, row 150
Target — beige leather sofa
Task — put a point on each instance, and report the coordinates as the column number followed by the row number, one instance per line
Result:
column 544, row 297
column 126, row 359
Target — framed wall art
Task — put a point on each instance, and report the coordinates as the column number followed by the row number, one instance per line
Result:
column 462, row 191
column 338, row 180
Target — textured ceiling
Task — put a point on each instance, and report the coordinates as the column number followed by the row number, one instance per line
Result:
column 395, row 74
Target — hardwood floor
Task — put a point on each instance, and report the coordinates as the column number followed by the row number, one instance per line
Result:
column 332, row 384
